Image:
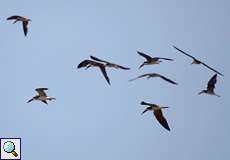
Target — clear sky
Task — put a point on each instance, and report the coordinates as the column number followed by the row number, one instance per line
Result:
column 92, row 120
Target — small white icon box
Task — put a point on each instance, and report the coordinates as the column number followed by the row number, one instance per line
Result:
column 10, row 148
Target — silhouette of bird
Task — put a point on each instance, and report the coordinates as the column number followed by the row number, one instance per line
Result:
column 89, row 63
column 151, row 60
column 157, row 113
column 196, row 61
column 152, row 75
column 24, row 20
column 210, row 87
column 41, row 96
column 109, row 64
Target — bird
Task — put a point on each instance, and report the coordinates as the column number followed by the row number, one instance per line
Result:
column 157, row 113
column 25, row 21
column 89, row 63
column 210, row 87
column 109, row 64
column 41, row 96
column 151, row 75
column 151, row 60
column 196, row 61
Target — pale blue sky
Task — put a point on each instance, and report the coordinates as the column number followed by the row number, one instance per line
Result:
column 92, row 120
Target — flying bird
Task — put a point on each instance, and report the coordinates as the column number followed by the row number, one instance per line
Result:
column 196, row 61
column 109, row 64
column 152, row 75
column 157, row 113
column 24, row 20
column 210, row 87
column 151, row 60
column 41, row 96
column 89, row 63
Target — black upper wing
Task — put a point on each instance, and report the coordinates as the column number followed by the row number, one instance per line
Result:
column 159, row 116
column 147, row 57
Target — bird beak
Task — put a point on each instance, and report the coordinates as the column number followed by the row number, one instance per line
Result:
column 164, row 107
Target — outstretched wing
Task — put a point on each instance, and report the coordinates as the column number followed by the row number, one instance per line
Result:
column 13, row 17
column 211, row 83
column 102, row 68
column 41, row 91
column 147, row 57
column 97, row 59
column 161, row 119
column 166, row 79
column 165, row 58
column 212, row 69
column 141, row 76
column 25, row 27
column 121, row 67
column 184, row 53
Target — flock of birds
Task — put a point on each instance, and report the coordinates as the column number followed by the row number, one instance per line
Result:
column 103, row 64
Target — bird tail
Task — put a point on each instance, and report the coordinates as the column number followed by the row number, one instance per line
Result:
column 141, row 65
column 144, row 111
column 217, row 95
column 30, row 100
column 201, row 92
column 15, row 21
column 51, row 98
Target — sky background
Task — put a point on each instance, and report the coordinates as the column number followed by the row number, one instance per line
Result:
column 92, row 120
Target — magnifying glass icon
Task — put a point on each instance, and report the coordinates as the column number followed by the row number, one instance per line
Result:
column 9, row 147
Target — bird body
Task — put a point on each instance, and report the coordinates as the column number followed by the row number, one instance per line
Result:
column 157, row 113
column 41, row 96
column 151, row 60
column 210, row 87
column 89, row 63
column 196, row 61
column 152, row 75
column 24, row 20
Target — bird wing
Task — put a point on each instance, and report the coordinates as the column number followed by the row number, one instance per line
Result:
column 164, row 58
column 211, row 83
column 84, row 63
column 14, row 17
column 147, row 57
column 165, row 78
column 41, row 91
column 102, row 68
column 44, row 101
column 184, row 53
column 212, row 69
column 25, row 27
column 97, row 59
column 121, row 67
column 160, row 118
column 111, row 64
column 141, row 76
